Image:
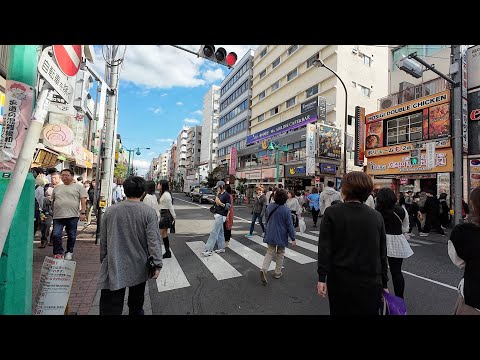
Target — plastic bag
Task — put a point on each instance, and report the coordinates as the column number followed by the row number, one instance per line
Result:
column 302, row 225
column 392, row 305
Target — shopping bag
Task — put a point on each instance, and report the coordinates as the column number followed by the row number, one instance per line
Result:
column 392, row 305
column 302, row 225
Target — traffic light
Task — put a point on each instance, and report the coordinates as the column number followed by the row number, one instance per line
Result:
column 414, row 157
column 219, row 56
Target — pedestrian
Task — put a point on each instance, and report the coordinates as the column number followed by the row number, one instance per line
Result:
column 48, row 209
column 167, row 215
column 91, row 196
column 370, row 202
column 415, row 215
column 279, row 228
column 432, row 211
column 118, row 194
column 40, row 182
column 352, row 251
column 258, row 211
column 227, row 230
column 80, row 180
column 327, row 196
column 49, row 174
column 444, row 211
column 129, row 236
column 314, row 201
column 67, row 198
column 294, row 206
column 398, row 247
column 268, row 194
column 221, row 207
column 150, row 198
column 464, row 251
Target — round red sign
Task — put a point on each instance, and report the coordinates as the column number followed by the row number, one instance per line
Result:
column 69, row 58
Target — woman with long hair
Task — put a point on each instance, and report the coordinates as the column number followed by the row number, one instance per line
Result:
column 150, row 198
column 464, row 251
column 167, row 215
column 352, row 251
column 398, row 247
column 227, row 225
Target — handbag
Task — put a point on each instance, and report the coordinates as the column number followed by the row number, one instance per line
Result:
column 392, row 305
column 294, row 219
column 212, row 209
column 172, row 228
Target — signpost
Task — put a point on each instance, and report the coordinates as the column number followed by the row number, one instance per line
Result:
column 68, row 57
column 54, row 76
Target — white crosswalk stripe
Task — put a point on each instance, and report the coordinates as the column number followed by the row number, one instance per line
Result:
column 295, row 256
column 308, row 236
column 248, row 254
column 171, row 276
column 422, row 242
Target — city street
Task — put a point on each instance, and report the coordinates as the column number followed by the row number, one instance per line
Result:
column 229, row 283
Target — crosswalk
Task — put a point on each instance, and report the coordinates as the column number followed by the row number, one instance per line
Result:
column 172, row 276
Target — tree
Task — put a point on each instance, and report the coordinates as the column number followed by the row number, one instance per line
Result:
column 120, row 171
column 214, row 176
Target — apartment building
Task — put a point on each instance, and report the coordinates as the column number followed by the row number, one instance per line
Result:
column 234, row 117
column 209, row 138
column 287, row 89
column 181, row 155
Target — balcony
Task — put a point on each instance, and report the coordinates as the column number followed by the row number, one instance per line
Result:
column 413, row 92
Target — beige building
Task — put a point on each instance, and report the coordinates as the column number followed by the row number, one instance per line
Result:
column 285, row 91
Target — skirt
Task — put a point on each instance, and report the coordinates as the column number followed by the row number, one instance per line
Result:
column 398, row 246
column 166, row 219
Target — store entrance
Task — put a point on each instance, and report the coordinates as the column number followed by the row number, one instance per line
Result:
column 428, row 184
column 297, row 184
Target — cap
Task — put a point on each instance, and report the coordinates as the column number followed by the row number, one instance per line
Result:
column 219, row 183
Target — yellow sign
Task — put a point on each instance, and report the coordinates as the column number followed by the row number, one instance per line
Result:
column 402, row 148
column 400, row 164
column 102, row 203
column 264, row 144
column 410, row 106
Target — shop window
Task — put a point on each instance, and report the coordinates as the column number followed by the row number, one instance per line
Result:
column 404, row 129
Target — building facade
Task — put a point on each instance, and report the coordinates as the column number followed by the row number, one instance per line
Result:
column 287, row 90
column 181, row 154
column 234, row 117
column 210, row 128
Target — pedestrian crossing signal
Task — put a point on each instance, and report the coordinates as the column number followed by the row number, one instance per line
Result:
column 414, row 157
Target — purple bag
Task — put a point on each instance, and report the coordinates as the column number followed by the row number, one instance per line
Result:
column 392, row 305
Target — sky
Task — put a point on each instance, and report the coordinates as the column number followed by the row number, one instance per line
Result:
column 161, row 88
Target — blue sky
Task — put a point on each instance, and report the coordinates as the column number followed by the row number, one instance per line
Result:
column 161, row 89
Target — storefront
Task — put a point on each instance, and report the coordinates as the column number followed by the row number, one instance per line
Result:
column 392, row 133
column 261, row 176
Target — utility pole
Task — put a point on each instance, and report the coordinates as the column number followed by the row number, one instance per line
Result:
column 112, row 64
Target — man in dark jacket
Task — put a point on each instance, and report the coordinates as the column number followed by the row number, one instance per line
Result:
column 432, row 211
column 258, row 211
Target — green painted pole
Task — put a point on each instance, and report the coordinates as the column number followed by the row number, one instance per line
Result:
column 278, row 165
column 17, row 252
column 128, row 170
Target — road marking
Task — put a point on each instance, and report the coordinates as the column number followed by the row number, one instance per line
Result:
column 307, row 245
column 421, row 242
column 413, row 244
column 295, row 256
column 171, row 276
column 248, row 254
column 316, row 232
column 219, row 267
column 308, row 236
column 430, row 280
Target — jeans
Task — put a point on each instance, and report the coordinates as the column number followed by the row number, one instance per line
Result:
column 280, row 250
column 216, row 236
column 254, row 219
column 70, row 225
column 46, row 227
column 111, row 302
column 315, row 215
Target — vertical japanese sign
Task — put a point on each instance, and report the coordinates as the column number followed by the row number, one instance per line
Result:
column 233, row 161
column 430, row 155
column 16, row 120
column 2, row 107
column 310, row 149
column 56, row 281
column 360, row 133
column 463, row 52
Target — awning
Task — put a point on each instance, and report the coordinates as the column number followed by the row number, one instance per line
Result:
column 45, row 158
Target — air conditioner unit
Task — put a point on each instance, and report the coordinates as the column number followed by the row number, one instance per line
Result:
column 385, row 104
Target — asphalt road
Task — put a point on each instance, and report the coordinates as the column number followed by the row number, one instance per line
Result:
column 229, row 283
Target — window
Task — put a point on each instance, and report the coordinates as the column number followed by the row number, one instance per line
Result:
column 261, row 117
column 275, row 86
column 292, row 74
column 261, row 95
column 367, row 60
column 404, row 129
column 312, row 59
column 263, row 53
column 312, row 91
column 274, row 111
column 275, row 63
column 290, row 102
column 365, row 91
column 292, row 49
column 263, row 73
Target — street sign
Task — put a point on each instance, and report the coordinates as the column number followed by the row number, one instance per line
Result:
column 430, row 155
column 68, row 57
column 52, row 74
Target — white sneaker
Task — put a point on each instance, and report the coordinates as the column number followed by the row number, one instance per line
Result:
column 207, row 253
column 263, row 235
column 218, row 251
column 68, row 256
column 226, row 244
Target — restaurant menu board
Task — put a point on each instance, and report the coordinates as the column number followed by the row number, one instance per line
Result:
column 474, row 173
column 439, row 121
column 55, row 285
column 374, row 135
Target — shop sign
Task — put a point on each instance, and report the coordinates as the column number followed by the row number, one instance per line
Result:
column 395, row 149
column 295, row 170
column 45, row 158
column 399, row 164
column 329, row 142
column 328, row 169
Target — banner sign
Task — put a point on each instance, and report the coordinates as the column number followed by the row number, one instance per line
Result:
column 360, row 131
column 233, row 161
column 328, row 169
column 16, row 120
column 291, row 124
column 329, row 142
column 310, row 149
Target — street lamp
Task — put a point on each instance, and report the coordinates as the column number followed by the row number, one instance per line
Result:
column 278, row 147
column 129, row 156
column 319, row 63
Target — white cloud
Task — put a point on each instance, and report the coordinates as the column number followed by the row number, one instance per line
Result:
column 156, row 110
column 164, row 94
column 213, row 75
column 179, row 103
column 191, row 121
column 198, row 112
column 143, row 92
column 163, row 66
column 165, row 140
column 141, row 164
column 151, row 153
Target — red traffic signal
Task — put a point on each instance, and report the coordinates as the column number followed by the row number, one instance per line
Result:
column 220, row 56
column 231, row 59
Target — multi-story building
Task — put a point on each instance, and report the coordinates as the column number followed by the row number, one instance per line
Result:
column 234, row 117
column 181, row 168
column 210, row 128
column 287, row 89
column 172, row 163
column 194, row 144
column 164, row 165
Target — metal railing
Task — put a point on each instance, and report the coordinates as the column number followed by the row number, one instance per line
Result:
column 3, row 60
column 414, row 92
